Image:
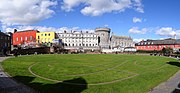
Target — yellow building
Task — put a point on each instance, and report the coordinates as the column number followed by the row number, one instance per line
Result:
column 45, row 38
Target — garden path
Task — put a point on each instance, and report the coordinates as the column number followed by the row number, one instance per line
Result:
column 9, row 85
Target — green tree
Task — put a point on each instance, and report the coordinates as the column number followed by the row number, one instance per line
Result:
column 167, row 51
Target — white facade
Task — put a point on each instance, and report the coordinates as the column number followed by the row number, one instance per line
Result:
column 79, row 40
column 100, row 39
column 121, row 42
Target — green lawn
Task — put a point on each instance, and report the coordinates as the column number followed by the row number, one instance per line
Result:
column 91, row 73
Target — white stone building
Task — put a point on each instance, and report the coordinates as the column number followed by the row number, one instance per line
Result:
column 121, row 41
column 79, row 40
column 100, row 39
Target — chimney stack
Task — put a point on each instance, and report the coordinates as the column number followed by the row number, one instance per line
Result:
column 174, row 36
column 15, row 30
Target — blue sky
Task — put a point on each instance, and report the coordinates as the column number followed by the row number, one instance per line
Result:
column 140, row 19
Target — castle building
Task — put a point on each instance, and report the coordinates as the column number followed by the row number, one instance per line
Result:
column 104, row 37
column 100, row 39
column 45, row 38
column 121, row 41
column 79, row 40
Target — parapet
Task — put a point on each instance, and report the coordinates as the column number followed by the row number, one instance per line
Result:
column 103, row 29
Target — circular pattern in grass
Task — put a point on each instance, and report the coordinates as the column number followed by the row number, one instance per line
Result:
column 112, row 73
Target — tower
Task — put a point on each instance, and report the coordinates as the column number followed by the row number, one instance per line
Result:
column 103, row 37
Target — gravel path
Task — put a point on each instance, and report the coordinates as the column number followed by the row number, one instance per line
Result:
column 8, row 85
column 170, row 86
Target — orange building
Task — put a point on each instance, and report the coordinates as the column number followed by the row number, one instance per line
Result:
column 23, row 37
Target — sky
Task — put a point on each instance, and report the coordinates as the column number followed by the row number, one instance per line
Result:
column 140, row 19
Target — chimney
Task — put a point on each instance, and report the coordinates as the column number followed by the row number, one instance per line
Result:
column 15, row 30
column 174, row 36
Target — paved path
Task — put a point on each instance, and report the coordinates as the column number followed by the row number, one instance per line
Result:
column 8, row 85
column 170, row 86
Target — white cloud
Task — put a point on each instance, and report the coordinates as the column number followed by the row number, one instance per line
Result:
column 106, row 25
column 99, row 7
column 136, row 20
column 138, row 40
column 138, row 6
column 23, row 12
column 167, row 31
column 136, row 30
column 45, row 29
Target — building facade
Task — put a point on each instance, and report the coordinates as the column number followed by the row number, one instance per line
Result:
column 45, row 38
column 121, row 41
column 5, row 42
column 24, row 37
column 79, row 40
column 158, row 45
column 104, row 37
column 100, row 39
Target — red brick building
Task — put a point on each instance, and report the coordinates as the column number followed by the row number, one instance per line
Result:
column 150, row 45
column 22, row 37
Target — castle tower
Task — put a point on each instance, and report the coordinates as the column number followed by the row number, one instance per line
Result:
column 104, row 37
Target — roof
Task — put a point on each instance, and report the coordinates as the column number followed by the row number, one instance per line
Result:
column 120, row 37
column 103, row 29
column 114, row 36
column 26, row 31
column 160, row 42
column 4, row 34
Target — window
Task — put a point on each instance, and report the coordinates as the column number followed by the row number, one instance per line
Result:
column 42, row 40
column 49, row 34
column 41, row 34
column 26, row 38
column 38, row 41
column 21, row 39
column 30, row 38
column 17, row 39
column 38, row 37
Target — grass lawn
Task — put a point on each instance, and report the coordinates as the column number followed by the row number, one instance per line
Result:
column 91, row 73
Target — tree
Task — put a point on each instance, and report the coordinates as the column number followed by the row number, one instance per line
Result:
column 167, row 51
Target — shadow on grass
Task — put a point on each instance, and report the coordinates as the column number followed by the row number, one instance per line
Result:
column 174, row 63
column 55, row 88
